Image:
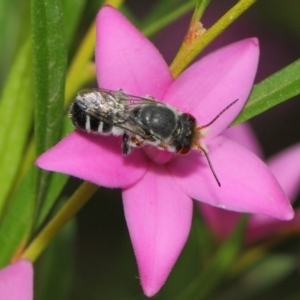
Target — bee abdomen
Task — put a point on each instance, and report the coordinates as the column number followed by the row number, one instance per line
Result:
column 92, row 124
column 86, row 122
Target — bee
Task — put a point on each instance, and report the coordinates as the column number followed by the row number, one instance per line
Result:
column 140, row 120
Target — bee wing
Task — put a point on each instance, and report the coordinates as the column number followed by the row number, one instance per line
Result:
column 135, row 127
column 131, row 101
column 127, row 121
column 117, row 109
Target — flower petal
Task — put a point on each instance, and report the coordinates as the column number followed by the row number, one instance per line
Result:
column 247, row 185
column 158, row 216
column 244, row 135
column 223, row 221
column 215, row 81
column 95, row 158
column 126, row 59
column 286, row 168
column 16, row 281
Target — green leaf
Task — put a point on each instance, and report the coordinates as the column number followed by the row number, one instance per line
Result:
column 72, row 10
column 211, row 276
column 16, row 113
column 59, row 257
column 50, row 63
column 14, row 29
column 56, row 184
column 275, row 89
column 18, row 217
column 200, row 7
column 17, row 221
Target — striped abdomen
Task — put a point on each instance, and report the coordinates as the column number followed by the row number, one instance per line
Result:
column 83, row 121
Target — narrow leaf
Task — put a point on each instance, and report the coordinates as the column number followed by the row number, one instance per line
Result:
column 72, row 10
column 275, row 89
column 17, row 221
column 200, row 7
column 50, row 63
column 14, row 27
column 16, row 112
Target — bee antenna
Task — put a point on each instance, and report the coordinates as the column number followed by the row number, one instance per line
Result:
column 209, row 163
column 219, row 114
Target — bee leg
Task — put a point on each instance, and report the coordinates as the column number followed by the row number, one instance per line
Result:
column 125, row 145
column 135, row 142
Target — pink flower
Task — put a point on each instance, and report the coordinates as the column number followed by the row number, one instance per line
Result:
column 158, row 186
column 286, row 168
column 16, row 281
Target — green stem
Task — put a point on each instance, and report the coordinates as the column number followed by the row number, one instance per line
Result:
column 73, row 205
column 201, row 6
column 78, row 67
column 190, row 50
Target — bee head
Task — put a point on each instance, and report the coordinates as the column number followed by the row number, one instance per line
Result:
column 184, row 133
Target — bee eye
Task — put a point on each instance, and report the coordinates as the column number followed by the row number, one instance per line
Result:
column 184, row 150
